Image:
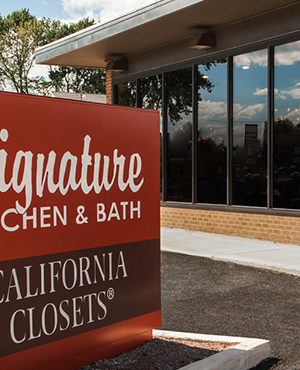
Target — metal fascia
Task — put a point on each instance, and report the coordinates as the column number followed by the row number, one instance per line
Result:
column 101, row 32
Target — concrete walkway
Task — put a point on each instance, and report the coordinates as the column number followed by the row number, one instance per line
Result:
column 252, row 252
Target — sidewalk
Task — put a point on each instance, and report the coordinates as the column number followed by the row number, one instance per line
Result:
column 251, row 252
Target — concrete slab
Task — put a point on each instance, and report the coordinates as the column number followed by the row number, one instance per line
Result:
column 253, row 252
column 247, row 352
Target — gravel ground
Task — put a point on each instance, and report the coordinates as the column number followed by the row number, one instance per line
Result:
column 161, row 354
column 204, row 296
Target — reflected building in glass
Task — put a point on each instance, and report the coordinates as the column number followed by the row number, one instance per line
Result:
column 226, row 80
column 249, row 156
column 223, row 102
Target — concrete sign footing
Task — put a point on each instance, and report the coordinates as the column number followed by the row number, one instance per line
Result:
column 247, row 352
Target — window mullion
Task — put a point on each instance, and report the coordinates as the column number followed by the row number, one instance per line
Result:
column 195, row 135
column 270, row 126
column 230, row 128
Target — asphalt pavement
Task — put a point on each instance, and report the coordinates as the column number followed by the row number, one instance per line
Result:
column 210, row 285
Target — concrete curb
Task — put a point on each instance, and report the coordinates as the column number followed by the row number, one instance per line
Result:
column 247, row 352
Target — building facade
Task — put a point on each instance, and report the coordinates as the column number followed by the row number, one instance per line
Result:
column 225, row 76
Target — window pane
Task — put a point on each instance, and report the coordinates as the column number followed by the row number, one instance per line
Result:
column 212, row 132
column 249, row 129
column 151, row 94
column 287, row 126
column 180, row 135
column 127, row 94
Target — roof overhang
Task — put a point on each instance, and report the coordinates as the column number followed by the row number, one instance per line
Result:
column 155, row 25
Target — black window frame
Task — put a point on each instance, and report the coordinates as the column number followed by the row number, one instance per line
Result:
column 229, row 207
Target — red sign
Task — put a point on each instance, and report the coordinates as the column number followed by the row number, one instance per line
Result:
column 79, row 229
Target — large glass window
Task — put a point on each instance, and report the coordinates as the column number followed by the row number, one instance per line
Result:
column 212, row 132
column 250, row 134
column 180, row 123
column 286, row 170
column 249, row 129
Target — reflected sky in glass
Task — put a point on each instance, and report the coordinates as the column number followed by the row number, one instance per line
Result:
column 250, row 93
column 212, row 104
column 287, row 82
column 250, row 103
column 286, row 142
column 212, row 133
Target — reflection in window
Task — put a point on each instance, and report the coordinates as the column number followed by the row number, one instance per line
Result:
column 126, row 94
column 179, row 167
column 286, row 169
column 249, row 129
column 151, row 96
column 151, row 90
column 212, row 132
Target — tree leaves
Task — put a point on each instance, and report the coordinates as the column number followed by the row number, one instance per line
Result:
column 71, row 79
column 20, row 34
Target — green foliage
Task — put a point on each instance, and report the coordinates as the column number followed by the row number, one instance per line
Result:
column 72, row 79
column 20, row 34
column 55, row 30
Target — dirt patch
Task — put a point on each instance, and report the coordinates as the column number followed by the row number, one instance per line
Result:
column 161, row 354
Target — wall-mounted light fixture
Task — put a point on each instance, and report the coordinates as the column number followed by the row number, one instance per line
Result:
column 205, row 40
column 117, row 64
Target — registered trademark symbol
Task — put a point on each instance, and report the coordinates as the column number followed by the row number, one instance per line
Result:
column 110, row 293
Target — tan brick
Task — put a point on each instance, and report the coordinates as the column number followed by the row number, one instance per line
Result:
column 277, row 228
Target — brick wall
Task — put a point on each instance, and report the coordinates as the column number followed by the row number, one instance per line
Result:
column 108, row 87
column 276, row 228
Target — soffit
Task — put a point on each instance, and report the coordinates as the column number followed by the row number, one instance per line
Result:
column 149, row 27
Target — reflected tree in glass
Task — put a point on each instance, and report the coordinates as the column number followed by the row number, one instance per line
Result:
column 249, row 129
column 151, row 95
column 286, row 170
column 151, row 91
column 212, row 133
column 180, row 129
column 126, row 94
column 179, row 167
